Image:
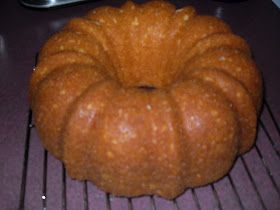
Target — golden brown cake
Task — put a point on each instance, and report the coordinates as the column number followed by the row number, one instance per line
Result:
column 146, row 99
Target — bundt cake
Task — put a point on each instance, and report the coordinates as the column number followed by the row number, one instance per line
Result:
column 146, row 98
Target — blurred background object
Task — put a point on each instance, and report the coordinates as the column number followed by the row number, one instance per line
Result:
column 49, row 3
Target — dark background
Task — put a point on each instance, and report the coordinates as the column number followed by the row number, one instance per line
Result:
column 26, row 171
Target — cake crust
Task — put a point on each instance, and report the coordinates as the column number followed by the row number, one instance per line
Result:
column 146, row 98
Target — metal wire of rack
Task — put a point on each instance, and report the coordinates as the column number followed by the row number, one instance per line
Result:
column 253, row 182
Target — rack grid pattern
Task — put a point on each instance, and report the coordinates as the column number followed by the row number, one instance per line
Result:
column 253, row 182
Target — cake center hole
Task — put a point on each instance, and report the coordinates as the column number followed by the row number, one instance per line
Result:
column 146, row 88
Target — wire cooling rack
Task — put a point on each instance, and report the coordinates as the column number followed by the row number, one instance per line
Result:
column 253, row 182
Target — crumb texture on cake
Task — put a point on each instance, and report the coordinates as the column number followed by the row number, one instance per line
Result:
column 146, row 98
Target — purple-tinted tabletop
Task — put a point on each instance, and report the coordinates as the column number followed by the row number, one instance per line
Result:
column 31, row 179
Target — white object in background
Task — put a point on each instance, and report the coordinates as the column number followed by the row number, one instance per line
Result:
column 277, row 2
column 48, row 3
